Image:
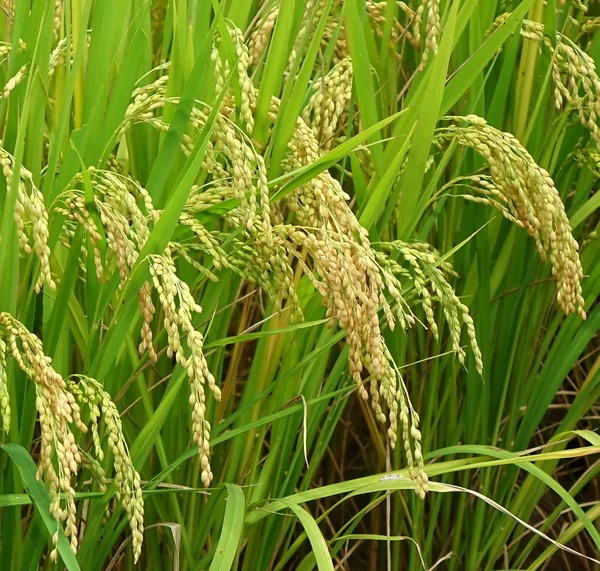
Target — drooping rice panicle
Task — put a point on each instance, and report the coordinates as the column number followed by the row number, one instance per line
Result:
column 58, row 403
column 529, row 198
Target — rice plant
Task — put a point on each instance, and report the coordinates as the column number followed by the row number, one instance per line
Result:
column 296, row 285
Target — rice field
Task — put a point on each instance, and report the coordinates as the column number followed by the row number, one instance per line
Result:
column 299, row 285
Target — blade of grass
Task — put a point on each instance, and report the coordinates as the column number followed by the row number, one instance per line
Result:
column 231, row 533
column 317, row 541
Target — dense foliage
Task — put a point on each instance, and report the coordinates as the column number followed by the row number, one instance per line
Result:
column 290, row 284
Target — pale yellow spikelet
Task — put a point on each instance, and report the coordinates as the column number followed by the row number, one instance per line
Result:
column 498, row 21
column 589, row 25
column 576, row 82
column 243, row 170
column 259, row 38
column 433, row 28
column 99, row 476
column 147, row 310
column 428, row 278
column 247, row 90
column 126, row 479
column 206, row 239
column 579, row 5
column 40, row 231
column 377, row 13
column 345, row 271
column 325, row 241
column 529, row 195
column 4, row 396
column 58, row 11
column 127, row 227
column 59, row 53
column 72, row 205
column 179, row 308
column 5, row 50
column 60, row 457
column 31, row 218
column 329, row 102
column 593, row 235
column 127, row 230
column 14, row 81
